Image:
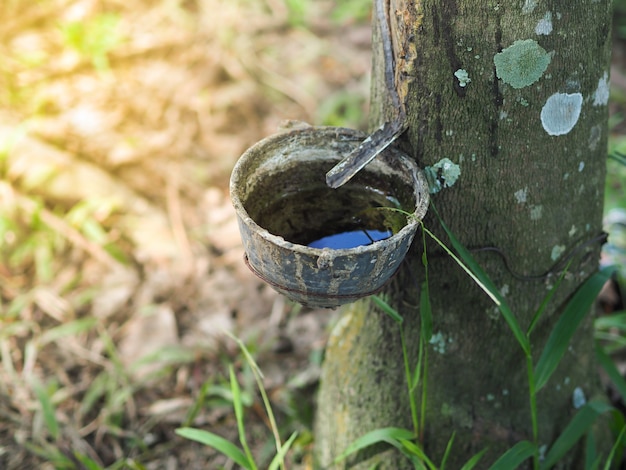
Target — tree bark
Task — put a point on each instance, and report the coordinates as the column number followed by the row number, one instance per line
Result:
column 515, row 93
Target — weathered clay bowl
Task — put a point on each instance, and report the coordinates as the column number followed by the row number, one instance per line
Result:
column 283, row 204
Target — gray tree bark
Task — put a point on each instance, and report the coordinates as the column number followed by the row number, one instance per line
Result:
column 514, row 92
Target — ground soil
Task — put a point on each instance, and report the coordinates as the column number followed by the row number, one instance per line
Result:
column 120, row 123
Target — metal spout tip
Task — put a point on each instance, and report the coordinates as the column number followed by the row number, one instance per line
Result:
column 378, row 141
column 335, row 180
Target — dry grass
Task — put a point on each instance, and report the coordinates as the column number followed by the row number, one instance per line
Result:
column 120, row 263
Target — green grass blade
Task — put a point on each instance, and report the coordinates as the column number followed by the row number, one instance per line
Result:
column 614, row 374
column 618, row 443
column 616, row 320
column 198, row 403
column 52, row 455
column 88, row 463
column 471, row 463
column 409, row 383
column 389, row 435
column 413, row 450
column 577, row 427
column 446, row 454
column 388, row 309
column 546, row 301
column 220, row 444
column 423, row 352
column 238, row 406
column 279, row 458
column 592, row 460
column 575, row 310
column 249, row 359
column 417, row 372
column 426, row 313
column 97, row 389
column 491, row 291
column 481, row 278
column 67, row 329
column 615, row 342
column 258, row 377
column 48, row 410
column 515, row 456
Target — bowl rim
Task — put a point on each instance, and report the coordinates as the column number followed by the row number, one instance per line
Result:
column 408, row 230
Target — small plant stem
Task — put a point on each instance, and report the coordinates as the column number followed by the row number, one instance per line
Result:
column 258, row 377
column 464, row 268
column 532, row 393
column 238, row 406
column 270, row 415
column 425, row 333
column 409, row 381
column 424, row 383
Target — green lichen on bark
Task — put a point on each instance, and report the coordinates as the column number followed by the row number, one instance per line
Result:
column 522, row 63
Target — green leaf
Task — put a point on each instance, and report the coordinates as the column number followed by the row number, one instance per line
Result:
column 416, row 451
column 116, row 252
column 592, row 460
column 446, row 454
column 515, row 456
column 417, row 375
column 198, row 404
column 238, row 405
column 98, row 388
column 44, row 257
column 94, row 231
column 166, row 355
column 577, row 427
column 220, row 444
column 48, row 410
column 53, row 456
column 258, row 377
column 67, row 329
column 617, row 321
column 88, row 463
column 426, row 313
column 388, row 309
column 595, row 465
column 618, row 443
column 389, row 435
column 280, row 455
column 481, row 278
column 614, row 374
column 471, row 463
column 575, row 310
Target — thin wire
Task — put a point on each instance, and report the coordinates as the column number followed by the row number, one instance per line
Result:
column 558, row 266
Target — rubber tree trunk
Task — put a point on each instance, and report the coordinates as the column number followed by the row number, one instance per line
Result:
column 515, row 93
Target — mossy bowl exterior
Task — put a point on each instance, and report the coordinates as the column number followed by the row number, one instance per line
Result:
column 322, row 277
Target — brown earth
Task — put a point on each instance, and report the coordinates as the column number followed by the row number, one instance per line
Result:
column 119, row 124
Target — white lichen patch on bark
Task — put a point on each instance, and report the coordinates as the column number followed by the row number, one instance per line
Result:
column 463, row 77
column 544, row 27
column 557, row 251
column 442, row 174
column 560, row 112
column 521, row 195
column 536, row 212
column 601, row 95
